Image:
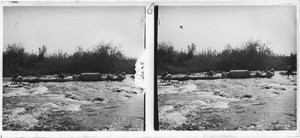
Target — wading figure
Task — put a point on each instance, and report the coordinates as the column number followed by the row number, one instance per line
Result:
column 121, row 76
column 270, row 73
column 17, row 79
column 76, row 77
column 188, row 74
column 163, row 76
column 39, row 74
column 166, row 77
column 258, row 74
column 210, row 73
column 289, row 71
column 224, row 75
column 61, row 76
column 109, row 77
column 14, row 78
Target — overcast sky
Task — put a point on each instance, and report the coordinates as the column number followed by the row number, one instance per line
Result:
column 65, row 28
column 214, row 26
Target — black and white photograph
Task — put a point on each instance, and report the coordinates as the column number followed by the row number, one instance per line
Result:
column 73, row 68
column 227, row 68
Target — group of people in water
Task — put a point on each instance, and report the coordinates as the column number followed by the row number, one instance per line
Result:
column 17, row 79
column 166, row 76
column 120, row 76
column 269, row 73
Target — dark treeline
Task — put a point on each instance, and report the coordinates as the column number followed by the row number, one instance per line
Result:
column 104, row 58
column 252, row 55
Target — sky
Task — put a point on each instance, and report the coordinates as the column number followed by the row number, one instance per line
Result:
column 66, row 28
column 216, row 26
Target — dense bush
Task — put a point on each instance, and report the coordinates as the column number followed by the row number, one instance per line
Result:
column 252, row 55
column 104, row 58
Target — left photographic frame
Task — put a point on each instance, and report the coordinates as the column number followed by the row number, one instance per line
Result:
column 73, row 68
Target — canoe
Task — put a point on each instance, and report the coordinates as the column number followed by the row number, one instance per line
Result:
column 239, row 74
column 12, row 86
column 36, row 80
column 91, row 77
column 195, row 78
column 285, row 73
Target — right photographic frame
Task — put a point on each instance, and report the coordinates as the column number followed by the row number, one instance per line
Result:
column 226, row 68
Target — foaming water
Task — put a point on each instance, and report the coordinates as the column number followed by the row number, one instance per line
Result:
column 15, row 92
column 188, row 88
column 16, row 111
column 39, row 90
column 71, row 107
column 23, row 92
column 26, row 119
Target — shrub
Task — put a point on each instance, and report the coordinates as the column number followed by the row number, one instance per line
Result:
column 104, row 58
column 252, row 55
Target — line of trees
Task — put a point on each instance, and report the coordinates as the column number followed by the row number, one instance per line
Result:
column 104, row 58
column 252, row 55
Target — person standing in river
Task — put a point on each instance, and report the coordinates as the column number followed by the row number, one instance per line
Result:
column 289, row 71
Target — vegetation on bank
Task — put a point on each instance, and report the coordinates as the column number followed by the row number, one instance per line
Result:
column 103, row 58
column 252, row 55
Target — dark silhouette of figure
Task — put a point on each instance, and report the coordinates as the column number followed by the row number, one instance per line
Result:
column 166, row 77
column 121, row 76
column 61, row 76
column 210, row 73
column 17, row 79
column 289, row 71
column 163, row 76
column 188, row 74
column 109, row 77
column 270, row 73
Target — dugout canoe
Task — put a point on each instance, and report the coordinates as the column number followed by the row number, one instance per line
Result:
column 36, row 80
column 232, row 74
column 81, row 77
column 195, row 78
column 215, row 77
column 98, row 77
column 285, row 73
column 239, row 74
column 12, row 86
column 91, row 77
